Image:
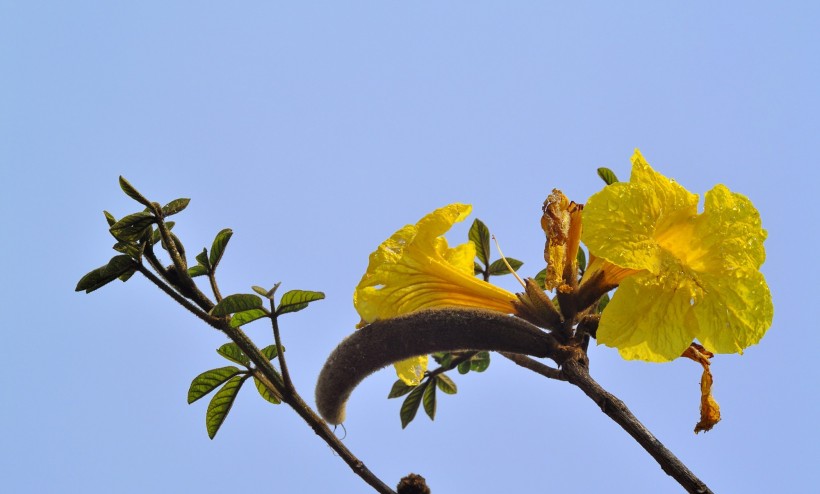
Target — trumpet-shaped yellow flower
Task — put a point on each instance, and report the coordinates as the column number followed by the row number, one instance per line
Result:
column 696, row 276
column 415, row 269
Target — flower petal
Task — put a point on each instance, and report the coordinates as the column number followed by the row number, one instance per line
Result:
column 735, row 311
column 646, row 320
column 729, row 233
column 671, row 203
column 697, row 274
column 411, row 370
column 622, row 222
column 415, row 269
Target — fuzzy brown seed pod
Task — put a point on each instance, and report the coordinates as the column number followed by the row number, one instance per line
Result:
column 420, row 333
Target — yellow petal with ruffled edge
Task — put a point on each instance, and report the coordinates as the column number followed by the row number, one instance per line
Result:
column 621, row 221
column 416, row 269
column 646, row 320
column 698, row 274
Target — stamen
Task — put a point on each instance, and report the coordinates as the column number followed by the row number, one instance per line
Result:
column 498, row 247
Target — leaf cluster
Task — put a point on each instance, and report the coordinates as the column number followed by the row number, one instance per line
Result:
column 136, row 235
column 231, row 379
column 425, row 392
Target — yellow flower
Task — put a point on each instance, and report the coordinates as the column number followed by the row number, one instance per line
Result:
column 415, row 269
column 683, row 275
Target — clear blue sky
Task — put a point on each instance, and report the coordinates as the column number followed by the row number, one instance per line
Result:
column 315, row 131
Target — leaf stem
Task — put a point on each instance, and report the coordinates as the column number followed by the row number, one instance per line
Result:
column 280, row 351
column 214, row 287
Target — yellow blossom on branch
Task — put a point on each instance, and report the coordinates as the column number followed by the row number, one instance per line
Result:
column 683, row 275
column 415, row 269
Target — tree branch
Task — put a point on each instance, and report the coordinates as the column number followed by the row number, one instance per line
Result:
column 176, row 296
column 578, row 374
column 535, row 366
column 273, row 381
column 292, row 399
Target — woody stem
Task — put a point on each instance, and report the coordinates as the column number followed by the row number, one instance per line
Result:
column 578, row 374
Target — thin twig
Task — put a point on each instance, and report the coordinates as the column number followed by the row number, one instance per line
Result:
column 535, row 366
column 185, row 281
column 455, row 362
column 275, row 384
column 177, row 297
column 214, row 286
column 280, row 352
column 577, row 374
column 149, row 254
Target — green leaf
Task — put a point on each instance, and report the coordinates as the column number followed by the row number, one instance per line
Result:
column 218, row 246
column 498, row 268
column 603, row 302
column 478, row 268
column 198, row 270
column 260, row 290
column 429, row 400
column 443, row 359
column 266, row 393
column 117, row 266
column 607, row 175
column 399, row 389
column 296, row 300
column 232, row 352
column 127, row 275
column 446, row 384
column 411, row 404
column 175, row 206
column 208, row 381
column 177, row 244
column 273, row 290
column 270, row 352
column 480, row 236
column 480, row 362
column 131, row 227
column 131, row 192
column 581, row 258
column 541, row 278
column 130, row 248
column 221, row 404
column 109, row 218
column 246, row 316
column 202, row 258
column 464, row 367
column 236, row 303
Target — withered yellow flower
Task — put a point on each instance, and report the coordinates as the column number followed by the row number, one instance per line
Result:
column 415, row 269
column 561, row 222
